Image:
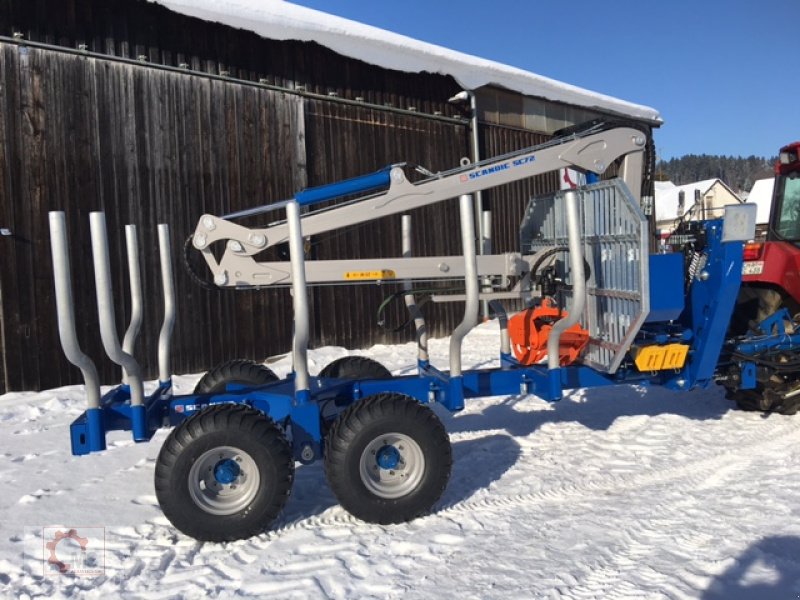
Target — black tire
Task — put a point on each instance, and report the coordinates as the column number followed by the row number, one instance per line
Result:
column 239, row 371
column 231, row 502
column 355, row 367
column 763, row 399
column 754, row 304
column 413, row 445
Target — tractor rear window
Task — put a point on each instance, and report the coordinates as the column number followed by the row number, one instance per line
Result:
column 788, row 222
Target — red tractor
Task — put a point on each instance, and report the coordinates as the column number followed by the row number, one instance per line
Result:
column 771, row 279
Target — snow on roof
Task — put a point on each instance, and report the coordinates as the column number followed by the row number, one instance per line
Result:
column 663, row 185
column 761, row 195
column 668, row 199
column 279, row 20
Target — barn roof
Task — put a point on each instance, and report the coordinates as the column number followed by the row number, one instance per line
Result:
column 279, row 20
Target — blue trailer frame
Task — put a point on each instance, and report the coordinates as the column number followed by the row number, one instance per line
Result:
column 690, row 311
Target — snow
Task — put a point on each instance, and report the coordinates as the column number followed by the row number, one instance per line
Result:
column 620, row 492
column 279, row 20
column 668, row 198
column 761, row 196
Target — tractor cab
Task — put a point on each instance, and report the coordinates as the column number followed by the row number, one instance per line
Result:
column 785, row 215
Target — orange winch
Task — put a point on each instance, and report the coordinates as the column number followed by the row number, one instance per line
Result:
column 530, row 329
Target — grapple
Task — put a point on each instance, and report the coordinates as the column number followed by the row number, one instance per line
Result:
column 530, row 329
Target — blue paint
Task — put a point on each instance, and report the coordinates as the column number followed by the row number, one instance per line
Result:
column 701, row 320
column 139, row 423
column 226, row 471
column 356, row 185
column 666, row 287
column 388, row 457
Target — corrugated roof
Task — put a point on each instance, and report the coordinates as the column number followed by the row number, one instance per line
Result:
column 278, row 20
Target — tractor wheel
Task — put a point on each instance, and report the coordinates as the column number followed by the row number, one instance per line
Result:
column 764, row 399
column 238, row 371
column 224, row 474
column 755, row 304
column 387, row 459
column 355, row 367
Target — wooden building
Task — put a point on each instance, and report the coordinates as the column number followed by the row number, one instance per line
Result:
column 154, row 116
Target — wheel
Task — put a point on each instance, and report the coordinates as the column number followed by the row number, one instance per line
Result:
column 754, row 304
column 355, row 367
column 224, row 474
column 387, row 459
column 765, row 399
column 239, row 371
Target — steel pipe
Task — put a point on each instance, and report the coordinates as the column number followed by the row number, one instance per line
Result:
column 105, row 308
column 571, row 202
column 65, row 309
column 299, row 299
column 135, row 279
column 472, row 302
column 411, row 302
column 168, row 286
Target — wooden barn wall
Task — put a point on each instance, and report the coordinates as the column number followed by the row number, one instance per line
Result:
column 345, row 142
column 135, row 29
column 147, row 146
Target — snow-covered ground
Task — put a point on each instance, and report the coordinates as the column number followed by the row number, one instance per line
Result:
column 611, row 493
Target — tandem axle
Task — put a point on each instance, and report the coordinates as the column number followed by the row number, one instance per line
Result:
column 595, row 314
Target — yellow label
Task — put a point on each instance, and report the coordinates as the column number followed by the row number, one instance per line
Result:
column 365, row 275
column 660, row 358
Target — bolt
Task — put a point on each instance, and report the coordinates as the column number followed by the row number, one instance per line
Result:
column 200, row 241
column 398, row 176
column 221, row 278
column 208, row 223
column 235, row 246
column 257, row 239
column 638, row 140
column 307, row 453
column 704, row 275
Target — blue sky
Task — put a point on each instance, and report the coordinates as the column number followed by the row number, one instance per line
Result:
column 725, row 74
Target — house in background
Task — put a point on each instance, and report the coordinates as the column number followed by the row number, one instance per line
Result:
column 692, row 201
column 761, row 196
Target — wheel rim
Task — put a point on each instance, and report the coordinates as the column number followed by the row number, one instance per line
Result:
column 224, row 480
column 392, row 465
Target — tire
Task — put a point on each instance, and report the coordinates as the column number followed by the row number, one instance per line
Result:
column 754, row 304
column 224, row 474
column 388, row 459
column 239, row 371
column 764, row 399
column 355, row 367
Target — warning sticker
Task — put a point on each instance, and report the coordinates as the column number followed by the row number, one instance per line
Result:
column 365, row 275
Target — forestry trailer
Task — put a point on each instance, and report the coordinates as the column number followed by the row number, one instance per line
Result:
column 598, row 310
